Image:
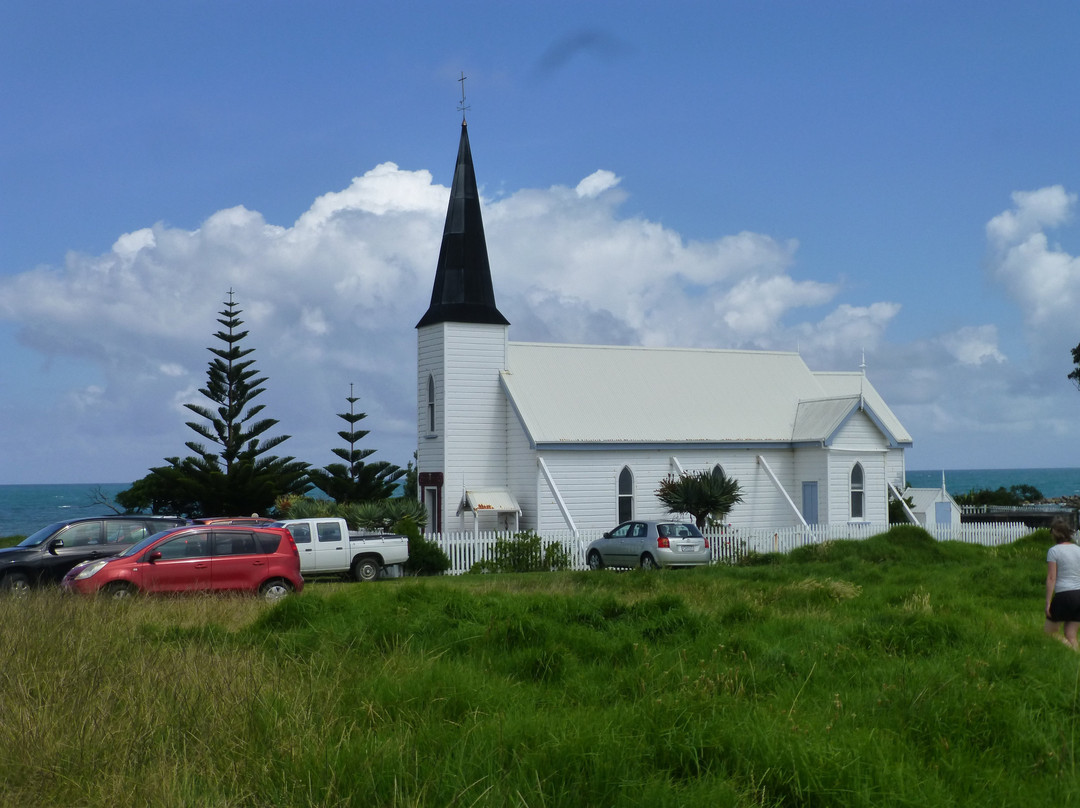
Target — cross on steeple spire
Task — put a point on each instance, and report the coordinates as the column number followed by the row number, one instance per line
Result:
column 462, row 107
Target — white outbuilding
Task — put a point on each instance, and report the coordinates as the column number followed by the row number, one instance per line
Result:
column 934, row 506
column 515, row 435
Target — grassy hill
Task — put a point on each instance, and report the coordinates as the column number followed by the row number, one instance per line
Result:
column 894, row 671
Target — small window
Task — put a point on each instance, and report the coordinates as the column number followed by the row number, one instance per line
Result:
column 233, row 542
column 186, row 545
column 301, row 533
column 857, row 492
column 431, row 403
column 329, row 531
column 626, row 494
column 266, row 542
column 123, row 531
column 82, row 534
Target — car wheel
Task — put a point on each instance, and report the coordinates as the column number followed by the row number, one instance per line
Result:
column 648, row 562
column 275, row 590
column 366, row 569
column 595, row 562
column 17, row 583
column 119, row 590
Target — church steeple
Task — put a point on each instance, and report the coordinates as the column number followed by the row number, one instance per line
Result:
column 463, row 292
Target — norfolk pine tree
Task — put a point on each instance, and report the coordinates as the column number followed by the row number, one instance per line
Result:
column 234, row 476
column 354, row 480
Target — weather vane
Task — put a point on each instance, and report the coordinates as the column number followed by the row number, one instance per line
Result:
column 462, row 106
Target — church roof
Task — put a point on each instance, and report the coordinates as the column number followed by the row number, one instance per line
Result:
column 588, row 394
column 463, row 292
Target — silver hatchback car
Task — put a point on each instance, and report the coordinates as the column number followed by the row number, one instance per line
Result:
column 649, row 545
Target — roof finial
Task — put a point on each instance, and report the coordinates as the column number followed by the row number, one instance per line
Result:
column 862, row 380
column 462, row 106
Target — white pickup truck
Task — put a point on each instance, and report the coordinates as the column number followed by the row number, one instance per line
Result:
column 328, row 546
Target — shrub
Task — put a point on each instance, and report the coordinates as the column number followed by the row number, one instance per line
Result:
column 524, row 552
column 383, row 514
column 305, row 508
column 425, row 556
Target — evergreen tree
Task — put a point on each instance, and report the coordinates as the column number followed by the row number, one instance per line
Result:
column 235, row 475
column 354, row 480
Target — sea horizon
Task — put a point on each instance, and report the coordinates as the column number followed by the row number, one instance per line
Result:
column 26, row 507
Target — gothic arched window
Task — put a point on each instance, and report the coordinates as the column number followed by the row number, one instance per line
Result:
column 626, row 495
column 431, row 403
column 858, row 495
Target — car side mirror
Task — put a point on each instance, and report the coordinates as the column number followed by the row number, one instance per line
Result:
column 154, row 556
column 55, row 545
column 607, row 535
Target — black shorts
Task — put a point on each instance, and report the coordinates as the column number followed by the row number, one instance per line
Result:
column 1065, row 606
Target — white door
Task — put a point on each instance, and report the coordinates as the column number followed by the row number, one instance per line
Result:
column 331, row 547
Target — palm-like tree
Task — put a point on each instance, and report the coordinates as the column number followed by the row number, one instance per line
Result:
column 704, row 495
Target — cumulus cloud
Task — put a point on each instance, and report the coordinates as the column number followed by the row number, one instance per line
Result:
column 1042, row 278
column 332, row 299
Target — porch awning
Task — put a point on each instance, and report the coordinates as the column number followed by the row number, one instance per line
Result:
column 495, row 500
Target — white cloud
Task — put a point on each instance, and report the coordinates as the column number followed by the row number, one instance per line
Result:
column 974, row 345
column 333, row 300
column 596, row 183
column 1043, row 279
column 1033, row 211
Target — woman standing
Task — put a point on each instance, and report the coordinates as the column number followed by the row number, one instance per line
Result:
column 1063, row 583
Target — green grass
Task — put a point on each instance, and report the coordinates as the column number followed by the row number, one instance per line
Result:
column 890, row 672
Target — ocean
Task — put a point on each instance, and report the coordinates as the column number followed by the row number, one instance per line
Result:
column 25, row 508
column 1051, row 482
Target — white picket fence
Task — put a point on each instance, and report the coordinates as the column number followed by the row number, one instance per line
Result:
column 728, row 544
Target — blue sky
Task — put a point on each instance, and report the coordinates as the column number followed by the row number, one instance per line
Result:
column 894, row 179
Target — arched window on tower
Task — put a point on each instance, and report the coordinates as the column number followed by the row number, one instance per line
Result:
column 431, row 403
column 858, row 494
column 718, row 471
column 626, row 495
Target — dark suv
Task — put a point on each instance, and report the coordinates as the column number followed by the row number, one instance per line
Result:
column 44, row 557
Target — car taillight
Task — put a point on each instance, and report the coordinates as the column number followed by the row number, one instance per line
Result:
column 663, row 542
column 706, row 542
column 292, row 542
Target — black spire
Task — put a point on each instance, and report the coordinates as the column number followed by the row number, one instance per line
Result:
column 462, row 292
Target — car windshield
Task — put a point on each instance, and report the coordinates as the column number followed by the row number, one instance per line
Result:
column 38, row 536
column 137, row 548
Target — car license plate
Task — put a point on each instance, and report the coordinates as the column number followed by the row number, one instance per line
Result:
column 686, row 548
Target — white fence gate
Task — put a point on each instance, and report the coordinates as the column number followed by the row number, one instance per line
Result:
column 728, row 544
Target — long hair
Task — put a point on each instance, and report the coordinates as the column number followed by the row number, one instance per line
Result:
column 1061, row 530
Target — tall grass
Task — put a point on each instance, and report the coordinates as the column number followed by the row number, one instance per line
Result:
column 894, row 671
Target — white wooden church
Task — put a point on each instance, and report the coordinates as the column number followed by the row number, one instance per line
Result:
column 548, row 437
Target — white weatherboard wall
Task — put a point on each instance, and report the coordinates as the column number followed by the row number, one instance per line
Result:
column 589, row 484
column 859, row 441
column 471, row 411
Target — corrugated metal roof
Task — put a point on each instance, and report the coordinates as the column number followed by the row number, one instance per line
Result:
column 836, row 383
column 817, row 420
column 614, row 394
column 924, row 498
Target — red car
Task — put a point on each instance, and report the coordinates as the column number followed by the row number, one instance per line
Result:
column 203, row 558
